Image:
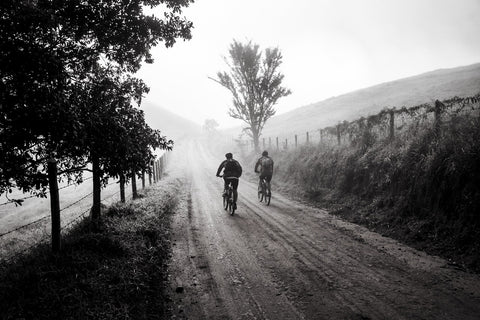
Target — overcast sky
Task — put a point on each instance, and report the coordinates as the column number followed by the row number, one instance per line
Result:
column 329, row 48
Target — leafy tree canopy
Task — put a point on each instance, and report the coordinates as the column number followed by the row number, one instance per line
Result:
column 255, row 83
column 48, row 50
column 210, row 125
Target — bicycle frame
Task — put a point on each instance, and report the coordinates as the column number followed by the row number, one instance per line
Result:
column 228, row 199
column 264, row 194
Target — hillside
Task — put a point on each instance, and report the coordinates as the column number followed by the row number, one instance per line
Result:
column 423, row 88
column 171, row 125
column 419, row 187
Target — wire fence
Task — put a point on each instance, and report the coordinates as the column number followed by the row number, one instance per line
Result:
column 18, row 240
column 385, row 125
column 15, row 201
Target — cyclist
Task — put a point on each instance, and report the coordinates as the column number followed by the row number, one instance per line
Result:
column 232, row 170
column 266, row 170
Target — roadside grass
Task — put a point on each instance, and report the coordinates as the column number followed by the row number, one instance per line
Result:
column 116, row 270
column 422, row 188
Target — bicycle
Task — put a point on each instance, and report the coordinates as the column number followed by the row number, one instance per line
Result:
column 264, row 192
column 228, row 201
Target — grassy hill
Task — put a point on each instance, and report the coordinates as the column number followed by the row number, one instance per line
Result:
column 424, row 88
column 171, row 125
column 419, row 187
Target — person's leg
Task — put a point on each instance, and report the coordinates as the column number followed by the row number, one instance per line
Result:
column 268, row 178
column 235, row 186
column 260, row 182
column 225, row 185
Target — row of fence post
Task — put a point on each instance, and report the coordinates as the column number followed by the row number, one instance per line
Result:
column 156, row 173
column 338, row 130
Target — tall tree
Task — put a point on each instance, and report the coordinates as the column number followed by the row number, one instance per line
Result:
column 255, row 82
column 115, row 137
column 46, row 49
column 210, row 125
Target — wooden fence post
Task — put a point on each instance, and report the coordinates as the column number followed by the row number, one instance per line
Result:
column 308, row 139
column 286, row 143
column 154, row 171
column 150, row 176
column 97, row 189
column 296, row 141
column 161, row 168
column 392, row 125
column 338, row 134
column 438, row 113
column 277, row 143
column 54, row 204
column 321, row 135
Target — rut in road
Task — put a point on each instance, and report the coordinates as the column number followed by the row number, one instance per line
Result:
column 292, row 261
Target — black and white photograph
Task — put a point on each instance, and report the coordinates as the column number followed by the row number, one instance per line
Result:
column 255, row 159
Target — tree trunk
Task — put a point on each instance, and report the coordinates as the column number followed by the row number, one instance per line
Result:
column 122, row 188
column 256, row 138
column 134, row 185
column 96, row 188
column 54, row 204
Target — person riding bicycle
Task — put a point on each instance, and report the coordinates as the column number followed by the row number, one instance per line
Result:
column 266, row 169
column 232, row 170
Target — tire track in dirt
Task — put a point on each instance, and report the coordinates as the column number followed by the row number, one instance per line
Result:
column 291, row 261
column 237, row 280
column 314, row 271
column 372, row 277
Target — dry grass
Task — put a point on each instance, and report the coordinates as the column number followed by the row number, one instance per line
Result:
column 421, row 188
column 114, row 271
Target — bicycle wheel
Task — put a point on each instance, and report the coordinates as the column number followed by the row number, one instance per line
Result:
column 260, row 193
column 268, row 196
column 231, row 208
column 225, row 202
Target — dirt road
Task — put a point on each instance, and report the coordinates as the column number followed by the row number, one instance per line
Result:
column 292, row 261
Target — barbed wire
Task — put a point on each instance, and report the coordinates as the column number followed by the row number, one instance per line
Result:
column 74, row 184
column 44, row 238
column 81, row 215
column 47, row 216
column 24, row 226
column 419, row 113
column 74, row 203
column 13, row 201
column 19, row 253
column 21, row 199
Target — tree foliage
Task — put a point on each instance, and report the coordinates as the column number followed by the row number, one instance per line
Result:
column 55, row 97
column 210, row 125
column 255, row 83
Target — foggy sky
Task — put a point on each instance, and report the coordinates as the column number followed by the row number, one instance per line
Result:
column 329, row 48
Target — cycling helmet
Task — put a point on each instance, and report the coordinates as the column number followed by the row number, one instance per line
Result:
column 229, row 155
column 265, row 153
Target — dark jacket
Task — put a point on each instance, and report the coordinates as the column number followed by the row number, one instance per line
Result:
column 266, row 165
column 231, row 168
